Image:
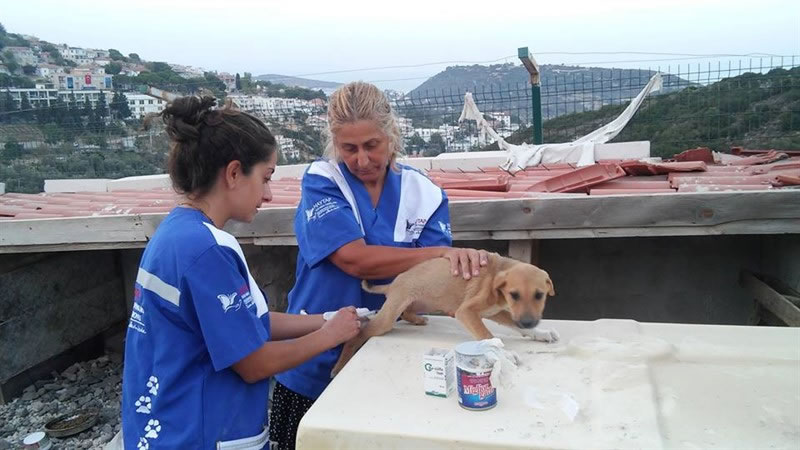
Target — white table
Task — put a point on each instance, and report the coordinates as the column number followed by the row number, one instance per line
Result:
column 638, row 385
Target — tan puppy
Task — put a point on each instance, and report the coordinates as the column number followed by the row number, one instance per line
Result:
column 507, row 291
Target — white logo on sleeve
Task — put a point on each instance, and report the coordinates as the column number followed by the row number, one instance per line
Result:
column 321, row 209
column 230, row 301
column 143, row 445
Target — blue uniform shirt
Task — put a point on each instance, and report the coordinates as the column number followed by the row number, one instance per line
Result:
column 335, row 209
column 196, row 312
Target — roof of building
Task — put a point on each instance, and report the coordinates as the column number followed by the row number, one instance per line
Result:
column 694, row 171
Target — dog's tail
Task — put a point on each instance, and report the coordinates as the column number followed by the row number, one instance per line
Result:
column 374, row 288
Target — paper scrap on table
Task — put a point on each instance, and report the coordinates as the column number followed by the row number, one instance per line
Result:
column 552, row 398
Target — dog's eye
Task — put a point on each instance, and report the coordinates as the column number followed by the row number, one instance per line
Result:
column 515, row 295
column 538, row 295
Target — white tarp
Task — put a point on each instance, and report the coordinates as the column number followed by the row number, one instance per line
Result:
column 580, row 151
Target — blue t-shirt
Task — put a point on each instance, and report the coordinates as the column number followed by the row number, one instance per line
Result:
column 197, row 311
column 335, row 209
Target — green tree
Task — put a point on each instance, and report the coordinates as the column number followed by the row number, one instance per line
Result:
column 101, row 109
column 157, row 66
column 134, row 57
column 247, row 83
column 52, row 133
column 116, row 55
column 113, row 68
column 26, row 110
column 214, row 84
column 12, row 149
column 7, row 107
column 416, row 143
column 87, row 107
column 2, row 31
column 28, row 69
column 436, row 146
column 10, row 61
column 42, row 113
column 72, row 119
column 57, row 112
column 238, row 82
column 119, row 106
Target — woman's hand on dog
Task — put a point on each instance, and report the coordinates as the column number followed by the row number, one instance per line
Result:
column 343, row 326
column 466, row 262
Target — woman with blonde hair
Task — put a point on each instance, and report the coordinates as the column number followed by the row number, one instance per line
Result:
column 362, row 216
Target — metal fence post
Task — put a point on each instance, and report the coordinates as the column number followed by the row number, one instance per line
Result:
column 536, row 92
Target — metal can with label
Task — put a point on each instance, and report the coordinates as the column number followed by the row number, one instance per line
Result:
column 473, row 369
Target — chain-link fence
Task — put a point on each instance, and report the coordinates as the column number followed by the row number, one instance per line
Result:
column 50, row 134
column 752, row 103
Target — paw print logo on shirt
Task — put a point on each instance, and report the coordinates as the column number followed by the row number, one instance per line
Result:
column 152, row 384
column 143, row 405
column 143, row 444
column 152, row 429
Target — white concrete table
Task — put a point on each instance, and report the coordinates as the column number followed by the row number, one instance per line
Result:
column 637, row 385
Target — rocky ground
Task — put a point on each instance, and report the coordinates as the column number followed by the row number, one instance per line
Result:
column 95, row 384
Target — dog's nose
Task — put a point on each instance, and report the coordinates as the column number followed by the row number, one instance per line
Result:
column 528, row 322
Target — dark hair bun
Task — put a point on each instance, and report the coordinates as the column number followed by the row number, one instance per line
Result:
column 185, row 114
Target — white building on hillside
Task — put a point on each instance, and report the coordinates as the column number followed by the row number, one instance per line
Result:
column 272, row 107
column 143, row 104
column 75, row 54
column 425, row 133
column 42, row 96
column 81, row 78
column 47, row 70
column 502, row 120
column 406, row 126
column 287, row 148
column 81, row 97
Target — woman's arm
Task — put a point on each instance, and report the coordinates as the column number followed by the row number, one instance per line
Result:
column 277, row 356
column 369, row 262
column 289, row 326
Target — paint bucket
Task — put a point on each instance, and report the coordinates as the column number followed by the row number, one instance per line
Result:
column 473, row 369
column 37, row 441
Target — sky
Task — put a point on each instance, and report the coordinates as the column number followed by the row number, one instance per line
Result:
column 337, row 40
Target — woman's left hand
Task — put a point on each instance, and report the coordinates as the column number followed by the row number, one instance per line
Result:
column 466, row 262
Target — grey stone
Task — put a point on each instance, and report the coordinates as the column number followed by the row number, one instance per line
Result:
column 29, row 396
column 4, row 445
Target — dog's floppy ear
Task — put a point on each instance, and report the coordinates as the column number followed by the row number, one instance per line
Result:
column 499, row 280
column 549, row 282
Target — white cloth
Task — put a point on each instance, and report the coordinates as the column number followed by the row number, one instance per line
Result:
column 504, row 362
column 580, row 151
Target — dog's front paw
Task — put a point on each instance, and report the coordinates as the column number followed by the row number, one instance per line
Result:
column 542, row 335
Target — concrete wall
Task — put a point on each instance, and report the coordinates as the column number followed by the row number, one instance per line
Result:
column 52, row 302
column 781, row 258
column 672, row 279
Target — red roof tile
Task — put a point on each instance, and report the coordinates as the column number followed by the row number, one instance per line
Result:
column 579, row 180
column 696, row 154
column 644, row 168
